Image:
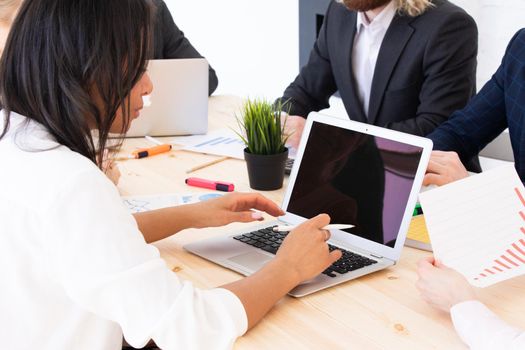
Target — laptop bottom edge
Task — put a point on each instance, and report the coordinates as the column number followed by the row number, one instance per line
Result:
column 247, row 260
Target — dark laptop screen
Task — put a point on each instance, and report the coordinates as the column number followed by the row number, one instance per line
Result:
column 357, row 179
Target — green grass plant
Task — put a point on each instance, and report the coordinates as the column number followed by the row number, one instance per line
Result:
column 261, row 128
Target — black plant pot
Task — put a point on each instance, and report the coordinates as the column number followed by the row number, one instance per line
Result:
column 266, row 172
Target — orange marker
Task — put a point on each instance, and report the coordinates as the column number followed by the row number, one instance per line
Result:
column 147, row 152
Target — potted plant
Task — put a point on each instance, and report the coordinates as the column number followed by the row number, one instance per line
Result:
column 264, row 137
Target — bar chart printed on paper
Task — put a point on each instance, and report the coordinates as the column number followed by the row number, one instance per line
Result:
column 223, row 142
column 477, row 225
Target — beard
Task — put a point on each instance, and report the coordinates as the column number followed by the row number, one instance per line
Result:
column 364, row 5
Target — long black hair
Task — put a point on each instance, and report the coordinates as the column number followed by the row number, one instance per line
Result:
column 62, row 56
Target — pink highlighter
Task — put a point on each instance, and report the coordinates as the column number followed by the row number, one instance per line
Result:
column 214, row 185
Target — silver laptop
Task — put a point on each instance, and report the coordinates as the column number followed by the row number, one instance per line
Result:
column 357, row 173
column 178, row 104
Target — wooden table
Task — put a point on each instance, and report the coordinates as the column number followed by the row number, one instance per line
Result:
column 378, row 311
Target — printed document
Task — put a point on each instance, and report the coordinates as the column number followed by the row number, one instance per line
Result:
column 477, row 225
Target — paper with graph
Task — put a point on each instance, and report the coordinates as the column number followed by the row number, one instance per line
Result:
column 477, row 225
column 138, row 204
column 223, row 142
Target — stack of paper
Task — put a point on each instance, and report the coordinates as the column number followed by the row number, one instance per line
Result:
column 477, row 225
column 417, row 236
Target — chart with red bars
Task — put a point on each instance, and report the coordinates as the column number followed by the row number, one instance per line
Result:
column 477, row 225
column 514, row 256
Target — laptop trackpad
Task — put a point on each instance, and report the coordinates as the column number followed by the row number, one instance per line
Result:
column 252, row 260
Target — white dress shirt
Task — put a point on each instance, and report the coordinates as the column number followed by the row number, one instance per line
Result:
column 481, row 329
column 76, row 272
column 367, row 43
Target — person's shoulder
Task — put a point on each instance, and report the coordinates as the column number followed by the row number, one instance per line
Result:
column 337, row 9
column 518, row 39
column 338, row 16
column 37, row 168
column 160, row 9
column 158, row 4
column 64, row 173
column 70, row 161
column 31, row 142
column 444, row 13
column 443, row 9
column 59, row 166
column 515, row 53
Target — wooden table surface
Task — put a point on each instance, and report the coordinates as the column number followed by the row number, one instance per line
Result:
column 379, row 311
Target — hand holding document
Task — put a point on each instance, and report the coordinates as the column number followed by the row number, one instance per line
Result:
column 477, row 225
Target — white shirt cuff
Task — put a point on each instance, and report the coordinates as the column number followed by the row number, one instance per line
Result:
column 480, row 328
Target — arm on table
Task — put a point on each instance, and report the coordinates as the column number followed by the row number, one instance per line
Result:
column 236, row 207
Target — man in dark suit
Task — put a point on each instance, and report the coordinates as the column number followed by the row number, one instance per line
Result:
column 397, row 64
column 169, row 42
column 500, row 104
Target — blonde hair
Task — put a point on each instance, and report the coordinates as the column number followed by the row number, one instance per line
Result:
column 413, row 8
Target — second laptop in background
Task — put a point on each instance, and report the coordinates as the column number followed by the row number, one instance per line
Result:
column 178, row 104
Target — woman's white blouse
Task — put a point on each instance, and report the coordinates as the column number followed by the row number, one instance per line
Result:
column 76, row 271
column 481, row 329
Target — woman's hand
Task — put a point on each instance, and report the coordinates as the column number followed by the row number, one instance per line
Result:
column 441, row 286
column 444, row 168
column 305, row 249
column 234, row 207
column 303, row 255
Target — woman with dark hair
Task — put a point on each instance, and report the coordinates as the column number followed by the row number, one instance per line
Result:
column 168, row 42
column 77, row 272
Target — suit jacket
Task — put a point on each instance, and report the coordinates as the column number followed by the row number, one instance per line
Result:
column 426, row 69
column 169, row 42
column 500, row 104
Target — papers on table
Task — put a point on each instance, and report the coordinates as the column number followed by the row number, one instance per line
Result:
column 223, row 142
column 417, row 236
column 477, row 225
column 137, row 204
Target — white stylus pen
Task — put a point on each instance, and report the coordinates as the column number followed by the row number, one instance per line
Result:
column 327, row 227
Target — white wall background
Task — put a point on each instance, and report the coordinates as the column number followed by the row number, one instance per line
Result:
column 254, row 45
column 498, row 21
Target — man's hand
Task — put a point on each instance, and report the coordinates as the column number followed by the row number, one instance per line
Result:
column 294, row 129
column 444, row 168
column 441, row 286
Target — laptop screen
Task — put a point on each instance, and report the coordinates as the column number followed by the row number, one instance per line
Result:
column 357, row 179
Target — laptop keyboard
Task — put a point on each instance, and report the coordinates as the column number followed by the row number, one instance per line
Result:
column 288, row 165
column 270, row 241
